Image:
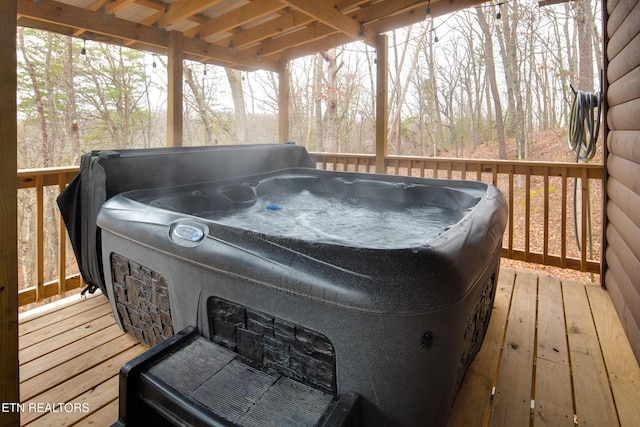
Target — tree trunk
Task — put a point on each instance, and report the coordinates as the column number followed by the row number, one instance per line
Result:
column 516, row 117
column 331, row 99
column 493, row 84
column 72, row 131
column 42, row 116
column 317, row 86
column 198, row 94
column 237, row 93
column 584, row 22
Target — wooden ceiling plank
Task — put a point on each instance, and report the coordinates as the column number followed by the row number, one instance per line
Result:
column 114, row 6
column 50, row 11
column 222, row 54
column 386, row 8
column 347, row 6
column 253, row 35
column 183, row 9
column 326, row 14
column 234, row 18
column 313, row 32
column 178, row 11
column 97, row 4
column 417, row 14
column 326, row 43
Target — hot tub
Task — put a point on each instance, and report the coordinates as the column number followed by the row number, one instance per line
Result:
column 349, row 282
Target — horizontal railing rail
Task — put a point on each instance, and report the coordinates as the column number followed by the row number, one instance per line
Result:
column 532, row 189
column 539, row 195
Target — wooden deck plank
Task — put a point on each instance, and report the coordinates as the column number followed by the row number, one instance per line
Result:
column 54, row 329
column 47, row 309
column 622, row 367
column 32, row 325
column 512, row 400
column 81, row 331
column 104, row 416
column 474, row 395
column 553, row 400
column 79, row 384
column 592, row 394
column 68, row 352
column 90, row 401
column 552, row 394
column 72, row 367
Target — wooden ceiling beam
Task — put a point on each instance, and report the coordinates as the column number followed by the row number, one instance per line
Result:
column 235, row 18
column 70, row 16
column 178, row 11
column 63, row 18
column 320, row 45
column 413, row 15
column 250, row 36
column 324, row 12
column 309, row 34
column 113, row 6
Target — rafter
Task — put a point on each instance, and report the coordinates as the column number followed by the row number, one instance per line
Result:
column 178, row 11
column 311, row 33
column 114, row 6
column 253, row 35
column 53, row 14
column 234, row 18
column 326, row 14
column 247, row 34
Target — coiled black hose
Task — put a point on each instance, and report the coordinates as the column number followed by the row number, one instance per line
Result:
column 584, row 124
column 584, row 127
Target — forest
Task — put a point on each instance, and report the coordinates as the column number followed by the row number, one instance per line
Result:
column 492, row 72
column 499, row 72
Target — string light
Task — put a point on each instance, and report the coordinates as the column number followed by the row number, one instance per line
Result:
column 153, row 64
column 259, row 55
column 498, row 22
column 83, row 52
column 428, row 20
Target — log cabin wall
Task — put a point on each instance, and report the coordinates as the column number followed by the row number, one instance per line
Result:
column 622, row 254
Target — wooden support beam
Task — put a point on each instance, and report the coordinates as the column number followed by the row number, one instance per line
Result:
column 178, row 11
column 175, row 78
column 9, row 386
column 234, row 18
column 382, row 82
column 326, row 14
column 283, row 103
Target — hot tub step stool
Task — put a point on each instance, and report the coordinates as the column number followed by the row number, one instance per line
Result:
column 189, row 380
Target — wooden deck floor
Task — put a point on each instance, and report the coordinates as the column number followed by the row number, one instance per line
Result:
column 554, row 355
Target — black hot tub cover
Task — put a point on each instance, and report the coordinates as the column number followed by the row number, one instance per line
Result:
column 104, row 174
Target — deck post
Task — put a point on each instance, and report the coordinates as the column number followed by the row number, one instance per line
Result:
column 9, row 384
column 283, row 102
column 382, row 84
column 175, row 78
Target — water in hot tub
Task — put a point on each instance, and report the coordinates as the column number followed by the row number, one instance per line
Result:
column 327, row 218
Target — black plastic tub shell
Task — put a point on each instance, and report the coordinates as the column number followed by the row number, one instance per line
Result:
column 404, row 323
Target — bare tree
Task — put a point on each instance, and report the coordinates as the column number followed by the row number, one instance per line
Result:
column 493, row 82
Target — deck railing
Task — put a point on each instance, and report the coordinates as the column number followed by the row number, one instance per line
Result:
column 52, row 275
column 540, row 228
column 542, row 220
